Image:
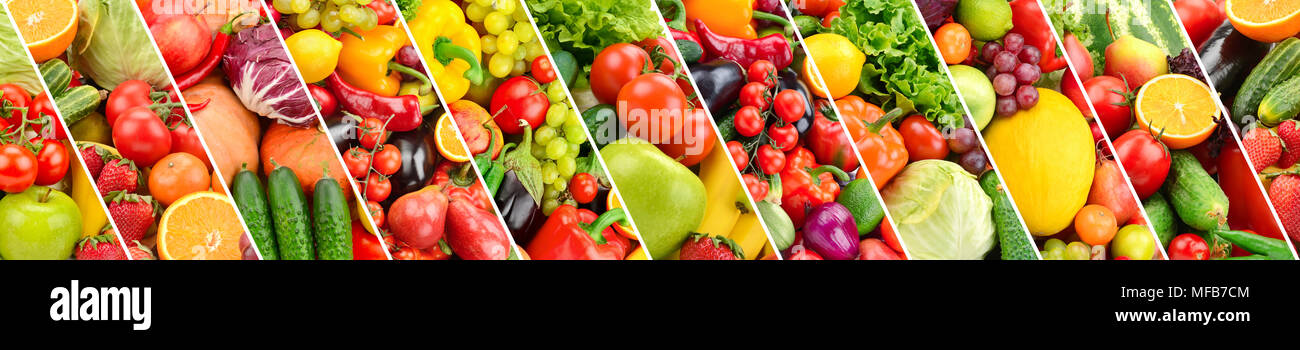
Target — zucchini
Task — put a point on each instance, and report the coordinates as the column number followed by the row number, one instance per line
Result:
column 56, row 75
column 1162, row 217
column 1228, row 56
column 1195, row 196
column 289, row 214
column 1280, row 103
column 776, row 221
column 331, row 222
column 76, row 103
column 1012, row 234
column 247, row 192
column 1278, row 65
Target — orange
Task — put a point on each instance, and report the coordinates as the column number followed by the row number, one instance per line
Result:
column 200, row 226
column 1265, row 20
column 449, row 144
column 47, row 26
column 612, row 202
column 1179, row 108
column 177, row 175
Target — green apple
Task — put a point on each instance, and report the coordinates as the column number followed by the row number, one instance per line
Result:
column 38, row 224
column 665, row 199
column 976, row 91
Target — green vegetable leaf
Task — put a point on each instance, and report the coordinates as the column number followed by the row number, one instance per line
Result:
column 15, row 66
column 584, row 27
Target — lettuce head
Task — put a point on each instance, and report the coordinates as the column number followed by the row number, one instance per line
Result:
column 941, row 211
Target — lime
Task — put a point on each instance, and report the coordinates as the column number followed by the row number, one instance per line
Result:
column 986, row 20
column 976, row 92
column 860, row 198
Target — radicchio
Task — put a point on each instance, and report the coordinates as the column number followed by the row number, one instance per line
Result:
column 261, row 74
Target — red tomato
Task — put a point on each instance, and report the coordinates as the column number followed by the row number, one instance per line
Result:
column 14, row 96
column 783, row 137
column 128, row 94
column 738, row 154
column 371, row 133
column 186, row 139
column 694, row 141
column 1188, row 246
column 376, row 213
column 357, row 160
column 875, row 249
column 51, row 163
column 762, row 71
column 757, row 187
column 1106, row 93
column 922, row 139
column 652, row 107
column 365, row 245
column 42, row 111
column 325, row 100
column 754, row 94
column 1199, row 18
column 141, row 136
column 542, row 70
column 614, row 67
column 387, row 160
column 584, row 187
column 789, row 105
column 378, row 188
column 748, row 121
column 17, row 168
column 954, row 42
column 519, row 99
column 666, row 49
column 1145, row 159
column 770, row 160
column 1250, row 208
column 830, row 18
column 803, row 253
column 386, row 13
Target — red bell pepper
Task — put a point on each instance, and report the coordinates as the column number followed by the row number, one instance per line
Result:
column 578, row 234
column 829, row 142
column 804, row 188
column 1027, row 20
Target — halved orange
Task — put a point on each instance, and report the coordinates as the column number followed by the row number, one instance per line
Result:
column 448, row 144
column 47, row 26
column 1265, row 20
column 1177, row 107
column 612, row 202
column 200, row 226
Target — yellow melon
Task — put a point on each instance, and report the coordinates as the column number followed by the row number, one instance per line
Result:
column 1047, row 157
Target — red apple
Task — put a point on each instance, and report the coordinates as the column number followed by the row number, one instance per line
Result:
column 417, row 218
column 1135, row 60
column 182, row 40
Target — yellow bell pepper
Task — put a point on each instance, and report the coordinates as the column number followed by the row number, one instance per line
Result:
column 729, row 17
column 450, row 47
column 364, row 61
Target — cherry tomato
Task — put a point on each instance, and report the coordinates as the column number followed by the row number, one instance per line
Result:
column 186, row 139
column 748, row 121
column 385, row 12
column 1095, row 224
column 754, row 94
column 371, row 133
column 18, row 168
column 365, row 245
column 655, row 107
column 1145, row 159
column 1188, row 246
column 770, row 160
column 830, row 18
column 694, row 141
column 43, row 109
column 803, row 253
column 387, row 160
column 922, row 139
column 177, row 175
column 376, row 213
column 1107, row 95
column 377, row 187
column 789, row 105
column 953, row 41
column 757, row 187
column 141, row 136
column 357, row 161
column 614, row 67
column 14, row 97
column 542, row 70
column 762, row 71
column 738, row 154
column 325, row 100
column 583, row 187
column 127, row 95
column 51, row 163
column 784, row 137
column 519, row 99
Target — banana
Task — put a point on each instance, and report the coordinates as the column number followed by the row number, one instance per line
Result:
column 749, row 235
column 721, row 188
column 93, row 217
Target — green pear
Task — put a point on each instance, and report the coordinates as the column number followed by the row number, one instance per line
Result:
column 665, row 199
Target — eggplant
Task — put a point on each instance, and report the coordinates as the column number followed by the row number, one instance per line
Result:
column 1229, row 57
column 789, row 80
column 718, row 83
column 831, row 231
column 598, row 205
column 521, row 213
column 343, row 130
column 418, row 159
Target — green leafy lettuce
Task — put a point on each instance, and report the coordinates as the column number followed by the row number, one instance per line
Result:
column 584, row 27
column 902, row 69
column 15, row 65
column 940, row 211
column 109, row 46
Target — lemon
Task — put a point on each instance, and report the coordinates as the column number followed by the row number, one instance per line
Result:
column 838, row 60
column 986, row 20
column 316, row 53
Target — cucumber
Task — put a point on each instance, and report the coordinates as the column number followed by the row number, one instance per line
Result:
column 1162, row 217
column 1280, row 103
column 1012, row 235
column 1195, row 196
column 56, row 75
column 566, row 65
column 247, row 192
column 1278, row 65
column 691, row 51
column 76, row 103
column 289, row 215
column 331, row 221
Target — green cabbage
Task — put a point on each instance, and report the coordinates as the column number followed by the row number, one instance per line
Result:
column 15, row 65
column 940, row 211
column 111, row 45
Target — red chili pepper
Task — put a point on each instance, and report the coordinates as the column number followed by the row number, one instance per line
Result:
column 219, row 43
column 404, row 110
column 578, row 234
column 1028, row 21
column 773, row 48
column 195, row 107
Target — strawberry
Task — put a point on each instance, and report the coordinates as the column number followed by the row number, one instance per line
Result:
column 140, row 252
column 1285, row 194
column 94, row 160
column 132, row 213
column 1289, row 131
column 1262, row 146
column 702, row 246
column 118, row 175
column 100, row 247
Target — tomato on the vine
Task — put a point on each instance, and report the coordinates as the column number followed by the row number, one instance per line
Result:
column 51, row 163
column 542, row 70
column 357, row 160
column 385, row 13
column 18, row 168
column 141, row 136
column 43, row 108
column 922, row 139
column 770, row 160
column 376, row 213
column 1188, row 246
column 754, row 94
column 757, row 187
column 762, row 71
column 614, row 67
column 784, row 137
column 387, row 160
column 789, row 105
column 748, row 121
column 186, row 139
column 738, row 154
column 519, row 98
column 583, row 187
column 378, row 187
column 652, row 108
column 371, row 133
column 127, row 95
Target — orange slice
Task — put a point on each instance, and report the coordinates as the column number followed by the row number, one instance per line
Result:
column 1179, row 108
column 47, row 26
column 448, row 144
column 612, row 202
column 200, row 226
column 1265, row 20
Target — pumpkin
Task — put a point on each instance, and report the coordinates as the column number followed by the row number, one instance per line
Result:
column 306, row 151
column 230, row 131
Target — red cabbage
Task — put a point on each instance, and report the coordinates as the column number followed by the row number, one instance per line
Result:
column 261, row 74
column 935, row 11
